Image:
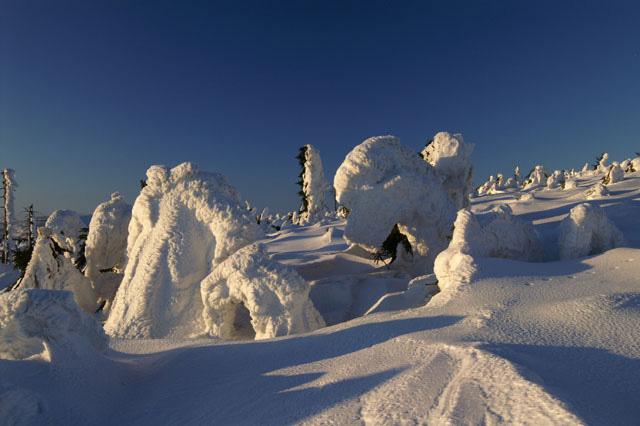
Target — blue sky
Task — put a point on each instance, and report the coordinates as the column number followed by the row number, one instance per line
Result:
column 94, row 92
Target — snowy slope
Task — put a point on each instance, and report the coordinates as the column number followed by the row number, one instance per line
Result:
column 555, row 342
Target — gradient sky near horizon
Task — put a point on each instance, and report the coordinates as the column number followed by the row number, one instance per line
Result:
column 94, row 92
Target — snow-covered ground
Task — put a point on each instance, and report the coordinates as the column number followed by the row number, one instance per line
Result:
column 552, row 342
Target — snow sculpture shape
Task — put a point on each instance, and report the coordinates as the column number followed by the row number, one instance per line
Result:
column 36, row 321
column 106, row 246
column 596, row 191
column 276, row 297
column 451, row 158
column 313, row 185
column 586, row 231
column 602, row 167
column 184, row 223
column 66, row 223
column 385, row 184
column 50, row 268
column 537, row 177
column 494, row 234
column 615, row 174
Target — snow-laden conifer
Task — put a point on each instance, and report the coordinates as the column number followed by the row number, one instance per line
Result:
column 106, row 246
column 587, row 230
column 183, row 224
column 450, row 155
column 8, row 195
column 312, row 186
column 615, row 174
column 385, row 184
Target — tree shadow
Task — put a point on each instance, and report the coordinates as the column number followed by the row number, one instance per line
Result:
column 241, row 383
column 599, row 386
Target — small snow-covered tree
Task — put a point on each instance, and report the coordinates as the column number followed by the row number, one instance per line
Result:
column 600, row 165
column 615, row 174
column 312, row 185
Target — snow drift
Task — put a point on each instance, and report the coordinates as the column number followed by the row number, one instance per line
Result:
column 276, row 297
column 497, row 233
column 46, row 321
column 184, row 223
column 106, row 246
column 450, row 155
column 385, row 184
column 587, row 230
column 51, row 268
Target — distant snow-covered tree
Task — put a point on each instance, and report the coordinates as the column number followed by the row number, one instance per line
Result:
column 615, row 174
column 312, row 185
column 9, row 185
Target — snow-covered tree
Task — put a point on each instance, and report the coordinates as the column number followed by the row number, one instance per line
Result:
column 312, row 185
column 275, row 296
column 587, row 230
column 386, row 185
column 183, row 224
column 9, row 186
column 600, row 164
column 51, row 268
column 536, row 177
column 450, row 156
column 615, row 174
column 106, row 247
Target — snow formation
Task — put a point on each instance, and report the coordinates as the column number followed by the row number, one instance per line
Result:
column 586, row 231
column 9, row 188
column 314, row 186
column 36, row 321
column 384, row 183
column 276, row 297
column 497, row 233
column 66, row 223
column 183, row 224
column 51, row 268
column 614, row 175
column 602, row 166
column 106, row 246
column 450, row 155
column 537, row 177
column 596, row 191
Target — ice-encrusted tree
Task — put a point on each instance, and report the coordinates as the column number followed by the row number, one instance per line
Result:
column 9, row 186
column 385, row 186
column 450, row 156
column 106, row 247
column 183, row 224
column 312, row 185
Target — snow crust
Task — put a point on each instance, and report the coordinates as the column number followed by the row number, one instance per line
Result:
column 384, row 183
column 51, row 268
column 276, row 297
column 40, row 321
column 586, row 231
column 183, row 224
column 106, row 246
column 314, row 186
column 450, row 155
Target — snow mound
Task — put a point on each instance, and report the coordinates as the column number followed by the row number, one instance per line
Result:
column 451, row 158
column 36, row 321
column 596, row 191
column 184, row 223
column 497, row 233
column 106, row 246
column 50, row 268
column 385, row 184
column 587, row 230
column 276, row 297
column 66, row 222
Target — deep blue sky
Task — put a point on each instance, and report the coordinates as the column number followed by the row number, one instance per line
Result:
column 93, row 92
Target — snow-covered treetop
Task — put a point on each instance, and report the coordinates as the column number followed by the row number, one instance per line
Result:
column 65, row 222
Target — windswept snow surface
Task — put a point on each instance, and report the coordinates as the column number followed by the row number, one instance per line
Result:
column 184, row 223
column 527, row 343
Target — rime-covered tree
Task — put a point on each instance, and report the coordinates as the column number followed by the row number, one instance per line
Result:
column 9, row 186
column 312, row 185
